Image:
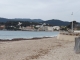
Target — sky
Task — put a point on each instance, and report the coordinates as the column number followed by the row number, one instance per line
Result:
column 41, row 9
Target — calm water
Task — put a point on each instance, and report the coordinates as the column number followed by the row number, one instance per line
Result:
column 25, row 34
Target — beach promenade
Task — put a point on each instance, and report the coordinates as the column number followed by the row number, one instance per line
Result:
column 38, row 49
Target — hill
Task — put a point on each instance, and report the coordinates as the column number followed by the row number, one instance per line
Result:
column 20, row 19
column 53, row 22
column 56, row 22
column 3, row 20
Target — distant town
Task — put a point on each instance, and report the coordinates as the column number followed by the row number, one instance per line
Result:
column 27, row 26
column 32, row 26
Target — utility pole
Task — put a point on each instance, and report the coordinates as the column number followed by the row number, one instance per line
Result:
column 72, row 22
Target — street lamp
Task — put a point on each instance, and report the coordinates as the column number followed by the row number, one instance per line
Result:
column 72, row 22
column 72, row 26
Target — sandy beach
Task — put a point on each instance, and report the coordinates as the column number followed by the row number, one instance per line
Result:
column 38, row 49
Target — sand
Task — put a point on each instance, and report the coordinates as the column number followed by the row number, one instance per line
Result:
column 38, row 49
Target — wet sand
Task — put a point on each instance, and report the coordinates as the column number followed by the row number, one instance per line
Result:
column 38, row 49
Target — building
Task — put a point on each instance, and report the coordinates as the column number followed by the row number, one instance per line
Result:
column 38, row 26
column 48, row 28
column 27, row 28
column 2, row 27
column 56, row 28
column 77, row 28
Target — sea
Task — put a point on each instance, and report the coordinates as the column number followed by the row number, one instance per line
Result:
column 26, row 34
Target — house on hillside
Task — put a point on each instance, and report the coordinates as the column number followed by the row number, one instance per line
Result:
column 2, row 27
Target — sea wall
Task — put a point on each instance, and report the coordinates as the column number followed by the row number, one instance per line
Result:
column 66, row 37
column 76, row 31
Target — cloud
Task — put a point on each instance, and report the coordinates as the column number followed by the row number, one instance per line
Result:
column 43, row 9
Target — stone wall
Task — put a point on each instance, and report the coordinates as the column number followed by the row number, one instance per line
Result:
column 66, row 37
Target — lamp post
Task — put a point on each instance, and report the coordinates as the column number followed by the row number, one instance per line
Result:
column 72, row 26
column 72, row 22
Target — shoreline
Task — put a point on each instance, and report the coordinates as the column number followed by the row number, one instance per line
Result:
column 12, row 35
column 19, row 39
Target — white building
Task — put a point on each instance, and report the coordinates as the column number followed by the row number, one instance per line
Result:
column 19, row 23
column 56, row 28
column 49, row 28
column 27, row 28
column 38, row 26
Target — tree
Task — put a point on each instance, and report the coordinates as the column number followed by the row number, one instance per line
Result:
column 74, row 24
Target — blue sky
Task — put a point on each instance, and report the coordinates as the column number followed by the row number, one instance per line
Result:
column 41, row 9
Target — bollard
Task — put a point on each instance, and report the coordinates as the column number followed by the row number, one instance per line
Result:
column 77, row 45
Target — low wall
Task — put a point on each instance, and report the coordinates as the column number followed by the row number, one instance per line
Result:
column 66, row 37
column 77, row 31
